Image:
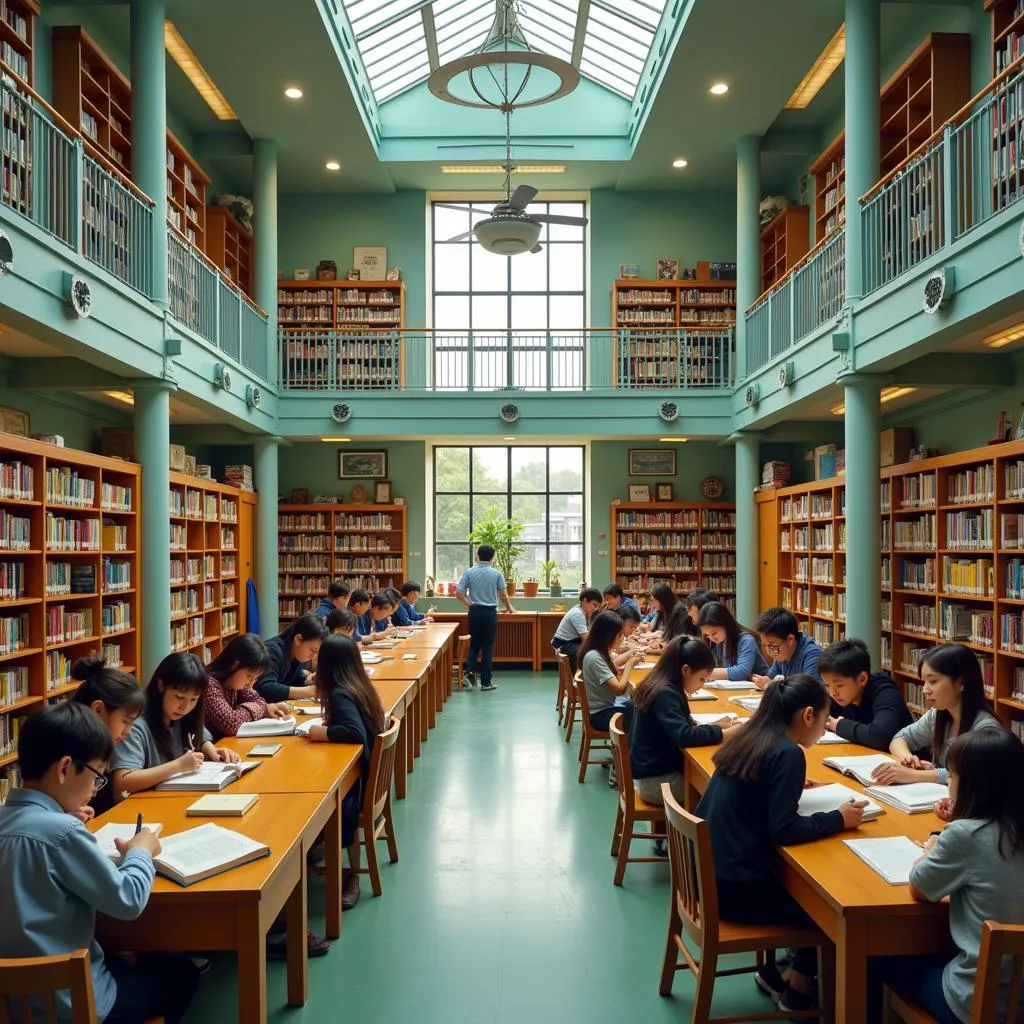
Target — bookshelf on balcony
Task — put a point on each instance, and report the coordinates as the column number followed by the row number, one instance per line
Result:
column 17, row 37
column 186, row 194
column 784, row 242
column 229, row 246
column 1007, row 32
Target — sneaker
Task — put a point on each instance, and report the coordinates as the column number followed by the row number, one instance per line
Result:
column 486, row 687
column 660, row 848
column 468, row 680
column 613, row 779
column 350, row 891
column 791, row 1001
column 770, row 981
column 607, row 763
column 277, row 948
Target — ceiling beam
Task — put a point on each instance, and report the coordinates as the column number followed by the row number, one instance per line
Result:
column 62, row 373
column 956, row 369
column 430, row 35
column 582, row 16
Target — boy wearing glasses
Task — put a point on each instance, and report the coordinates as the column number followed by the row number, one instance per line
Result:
column 54, row 877
column 790, row 652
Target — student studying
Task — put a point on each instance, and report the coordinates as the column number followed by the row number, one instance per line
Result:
column 231, row 699
column 572, row 630
column 736, row 648
column 288, row 676
column 405, row 613
column 337, row 597
column 615, row 599
column 375, row 622
column 342, row 620
column 792, row 651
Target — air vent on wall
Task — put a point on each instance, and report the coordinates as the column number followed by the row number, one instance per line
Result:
column 510, row 412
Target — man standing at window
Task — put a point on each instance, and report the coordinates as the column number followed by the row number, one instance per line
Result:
column 484, row 585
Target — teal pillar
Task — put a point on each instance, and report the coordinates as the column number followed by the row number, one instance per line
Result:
column 862, row 75
column 861, row 396
column 265, row 453
column 149, row 128
column 152, row 449
column 748, row 239
column 748, row 566
column 264, row 193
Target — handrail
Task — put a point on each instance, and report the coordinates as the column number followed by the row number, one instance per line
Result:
column 217, row 270
column 799, row 265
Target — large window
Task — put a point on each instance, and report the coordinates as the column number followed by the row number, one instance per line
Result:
column 542, row 487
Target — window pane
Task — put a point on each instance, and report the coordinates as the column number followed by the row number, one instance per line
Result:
column 451, row 267
column 566, row 518
column 566, row 312
column 451, row 469
column 451, row 312
column 566, row 469
column 490, row 312
column 451, row 512
column 530, row 272
column 570, row 564
column 529, row 469
column 567, row 267
column 529, row 312
column 490, row 470
column 450, row 561
column 449, row 222
column 490, row 272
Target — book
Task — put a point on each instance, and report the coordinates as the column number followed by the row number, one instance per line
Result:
column 701, row 694
column 914, row 798
column 891, row 857
column 308, row 709
column 409, row 657
column 385, row 644
column 750, row 704
column 232, row 805
column 831, row 797
column 211, row 776
column 264, row 750
column 199, row 853
column 303, row 728
column 405, row 635
column 711, row 717
column 267, row 727
column 106, row 834
column 730, row 684
column 831, row 737
column 369, row 658
column 860, row 767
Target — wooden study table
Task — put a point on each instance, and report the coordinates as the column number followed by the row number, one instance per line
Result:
column 233, row 910
column 418, row 673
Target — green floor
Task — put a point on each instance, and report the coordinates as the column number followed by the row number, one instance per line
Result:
column 502, row 907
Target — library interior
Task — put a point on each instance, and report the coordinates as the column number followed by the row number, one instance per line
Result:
column 480, row 429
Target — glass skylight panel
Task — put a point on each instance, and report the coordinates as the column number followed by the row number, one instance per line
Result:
column 365, row 15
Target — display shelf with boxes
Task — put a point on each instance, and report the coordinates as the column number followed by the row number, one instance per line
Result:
column 364, row 545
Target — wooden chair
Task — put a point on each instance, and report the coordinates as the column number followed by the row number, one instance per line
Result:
column 377, row 805
column 461, row 653
column 572, row 708
column 693, row 915
column 632, row 807
column 997, row 941
column 564, row 685
column 39, row 978
column 592, row 739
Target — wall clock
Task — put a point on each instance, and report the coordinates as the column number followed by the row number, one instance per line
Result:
column 712, row 488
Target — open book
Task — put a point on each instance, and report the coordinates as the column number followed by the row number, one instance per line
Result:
column 832, row 797
column 751, row 703
column 701, row 694
column 859, row 767
column 106, row 835
column 203, row 852
column 267, row 727
column 891, row 857
column 210, row 776
column 303, row 729
column 369, row 658
column 831, row 737
column 712, row 717
column 730, row 684
column 914, row 798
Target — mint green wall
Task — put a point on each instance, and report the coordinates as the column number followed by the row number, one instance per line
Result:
column 958, row 426
column 79, row 422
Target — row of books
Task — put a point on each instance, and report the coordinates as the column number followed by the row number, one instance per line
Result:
column 717, row 541
column 17, row 22
column 717, row 562
column 974, row 578
column 685, row 541
column 657, row 563
column 293, row 607
column 1013, row 476
column 116, row 616
column 1011, row 50
column 918, row 575
column 975, row 484
column 17, row 481
column 68, row 578
column 920, row 618
column 14, row 633
column 115, row 498
column 58, row 669
column 823, row 633
column 708, row 317
column 12, row 580
column 10, row 726
column 16, row 61
column 919, row 491
column 700, row 297
column 1017, row 684
column 66, row 486
column 304, row 542
column 645, row 316
column 973, row 530
column 65, row 534
column 228, row 622
column 305, row 563
column 349, row 542
column 374, row 521
column 349, row 565
column 13, row 685
column 68, row 622
column 179, row 537
column 302, row 521
column 719, row 584
column 303, row 584
column 645, row 295
column 15, row 532
column 915, row 534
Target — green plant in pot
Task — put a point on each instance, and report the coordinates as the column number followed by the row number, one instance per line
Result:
column 505, row 535
column 549, row 570
column 530, row 586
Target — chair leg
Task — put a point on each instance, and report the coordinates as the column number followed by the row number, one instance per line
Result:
column 570, row 719
column 626, row 842
column 372, row 860
column 392, row 839
column 617, row 834
column 705, row 988
column 584, row 754
column 827, row 981
column 671, row 958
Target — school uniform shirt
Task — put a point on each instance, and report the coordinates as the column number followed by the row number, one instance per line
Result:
column 324, row 608
column 284, row 672
column 139, row 750
column 804, row 661
column 349, row 725
column 596, row 675
column 920, row 734
column 482, row 583
column 881, row 714
column 405, row 614
column 628, row 602
column 225, row 710
column 966, row 865
column 53, row 880
column 658, row 734
column 749, row 660
column 572, row 627
column 749, row 820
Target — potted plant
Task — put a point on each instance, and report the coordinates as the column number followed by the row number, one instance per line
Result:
column 530, row 586
column 505, row 535
column 556, row 585
column 549, row 570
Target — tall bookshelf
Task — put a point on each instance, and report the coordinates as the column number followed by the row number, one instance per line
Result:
column 69, row 575
column 229, row 245
column 364, row 545
column 1007, row 33
column 784, row 242
column 17, row 37
column 211, row 542
column 684, row 544
column 186, row 194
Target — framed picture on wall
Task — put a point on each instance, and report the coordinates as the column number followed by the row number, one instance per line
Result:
column 382, row 492
column 668, row 270
column 664, row 492
column 639, row 492
column 652, row 462
column 362, row 465
column 371, row 261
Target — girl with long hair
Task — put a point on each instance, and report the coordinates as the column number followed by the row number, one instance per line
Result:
column 603, row 679
column 231, row 699
column 289, row 676
column 737, row 649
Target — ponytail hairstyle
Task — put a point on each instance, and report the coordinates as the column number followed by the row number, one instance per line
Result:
column 604, row 629
column 180, row 671
column 116, row 689
column 340, row 666
column 716, row 614
column 683, row 652
column 959, row 663
column 978, row 758
column 783, row 700
column 245, row 652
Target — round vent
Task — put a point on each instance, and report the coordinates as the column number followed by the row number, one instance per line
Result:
column 222, row 376
column 341, row 412
column 510, row 412
column 253, row 396
column 938, row 290
column 787, row 374
column 751, row 395
column 669, row 411
column 6, row 255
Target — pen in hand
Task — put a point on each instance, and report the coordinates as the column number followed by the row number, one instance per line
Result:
column 191, row 741
column 138, row 824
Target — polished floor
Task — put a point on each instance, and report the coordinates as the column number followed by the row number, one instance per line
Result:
column 501, row 909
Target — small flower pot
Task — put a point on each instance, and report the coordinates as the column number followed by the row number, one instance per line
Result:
column 530, row 588
column 556, row 589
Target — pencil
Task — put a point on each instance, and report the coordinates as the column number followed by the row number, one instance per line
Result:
column 138, row 824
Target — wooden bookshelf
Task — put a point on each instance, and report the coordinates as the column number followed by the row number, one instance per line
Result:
column 186, row 194
column 684, row 544
column 784, row 242
column 1007, row 32
column 364, row 545
column 340, row 305
column 17, row 37
column 69, row 575
column 229, row 245
column 211, row 562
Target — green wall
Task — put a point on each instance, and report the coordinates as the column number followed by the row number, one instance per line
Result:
column 954, row 425
column 78, row 421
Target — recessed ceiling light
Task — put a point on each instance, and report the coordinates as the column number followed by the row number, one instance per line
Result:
column 293, row 92
column 196, row 73
column 821, row 71
column 508, row 438
column 719, row 89
column 1004, row 338
column 498, row 168
column 886, row 395
column 680, row 162
column 673, row 440
column 333, row 165
column 336, row 440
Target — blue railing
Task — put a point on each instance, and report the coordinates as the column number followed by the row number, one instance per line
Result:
column 676, row 358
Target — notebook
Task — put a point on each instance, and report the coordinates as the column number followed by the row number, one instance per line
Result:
column 189, row 857
column 891, row 857
column 307, row 709
column 369, row 658
column 915, row 798
column 701, row 694
column 409, row 657
column 711, row 717
column 106, row 834
column 730, row 684
column 212, row 776
column 405, row 635
column 386, row 644
column 267, row 727
column 303, row 729
column 831, row 797
column 859, row 767
column 750, row 703
column 831, row 737
column 232, row 805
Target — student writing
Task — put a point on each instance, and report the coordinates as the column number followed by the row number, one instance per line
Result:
column 792, row 651
column 54, row 878
column 737, row 649
column 751, row 806
column 671, row 619
column 695, row 600
column 375, row 622
column 288, row 676
column 337, row 597
column 405, row 613
column 231, row 699
column 615, row 599
column 359, row 605
column 572, row 630
column 602, row 678
column 342, row 620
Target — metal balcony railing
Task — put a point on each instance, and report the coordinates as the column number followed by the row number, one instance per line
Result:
column 675, row 358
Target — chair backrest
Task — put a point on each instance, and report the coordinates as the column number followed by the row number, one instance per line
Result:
column 998, row 941
column 382, row 768
column 31, row 985
column 463, row 649
column 581, row 696
column 692, row 868
column 620, row 748
column 564, row 670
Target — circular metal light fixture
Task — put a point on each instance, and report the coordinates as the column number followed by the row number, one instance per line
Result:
column 507, row 236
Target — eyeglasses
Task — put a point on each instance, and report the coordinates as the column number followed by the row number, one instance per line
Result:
column 100, row 779
column 772, row 648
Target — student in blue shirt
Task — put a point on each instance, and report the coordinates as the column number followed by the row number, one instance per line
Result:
column 405, row 613
column 375, row 622
column 737, row 649
column 54, row 878
column 291, row 653
column 781, row 639
column 343, row 621
column 359, row 605
column 338, row 596
column 615, row 599
column 480, row 589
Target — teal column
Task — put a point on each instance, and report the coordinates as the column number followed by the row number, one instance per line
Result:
column 264, row 200
column 149, row 128
column 748, row 566
column 152, row 449
column 748, row 239
column 265, row 452
column 863, row 501
column 862, row 75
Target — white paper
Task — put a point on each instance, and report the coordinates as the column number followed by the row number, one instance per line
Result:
column 267, row 727
column 409, row 657
column 203, row 849
column 711, row 717
column 750, row 703
column 701, row 694
column 303, row 729
column 832, row 797
column 914, row 798
column 369, row 658
column 308, row 709
column 860, row 767
column 831, row 737
column 730, row 684
column 891, row 857
column 106, row 835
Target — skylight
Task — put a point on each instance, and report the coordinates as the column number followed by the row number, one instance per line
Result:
column 402, row 41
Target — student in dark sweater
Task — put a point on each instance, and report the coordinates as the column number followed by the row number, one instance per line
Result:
column 288, row 677
column 352, row 713
column 337, row 597
column 751, row 804
column 867, row 707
